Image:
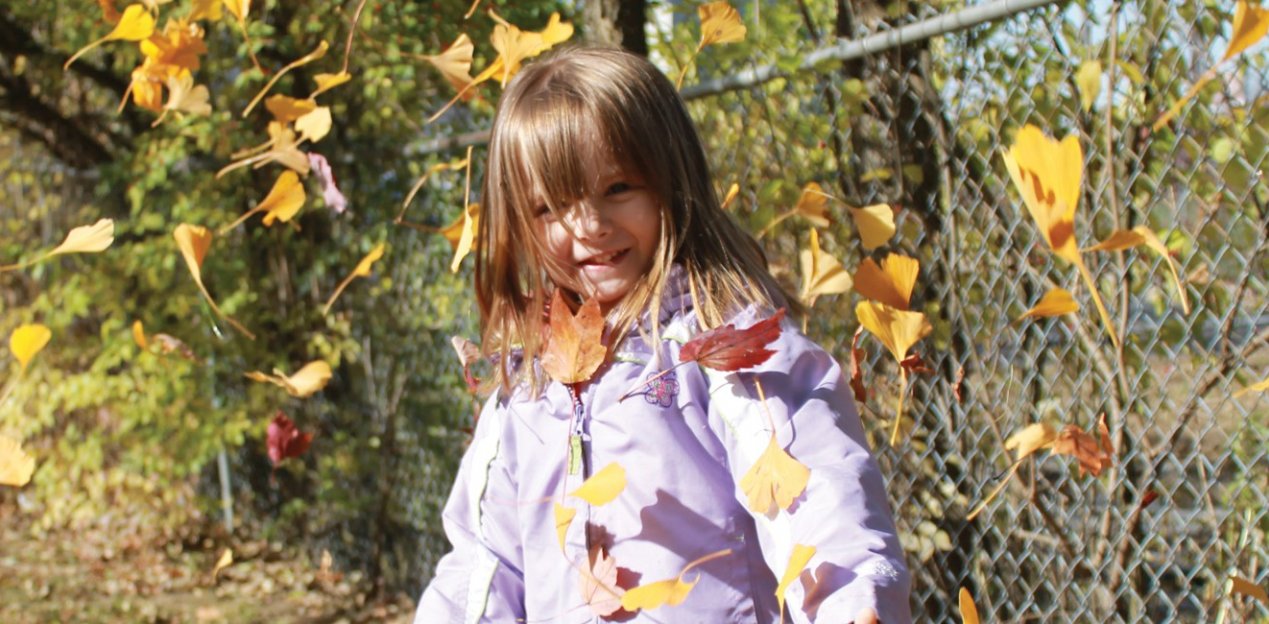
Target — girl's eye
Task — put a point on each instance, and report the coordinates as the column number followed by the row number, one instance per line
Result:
column 618, row 188
column 541, row 211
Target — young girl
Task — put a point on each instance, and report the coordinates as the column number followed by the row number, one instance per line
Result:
column 597, row 185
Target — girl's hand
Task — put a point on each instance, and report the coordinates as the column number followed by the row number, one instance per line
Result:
column 867, row 616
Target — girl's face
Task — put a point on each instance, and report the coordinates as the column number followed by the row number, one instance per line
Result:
column 606, row 240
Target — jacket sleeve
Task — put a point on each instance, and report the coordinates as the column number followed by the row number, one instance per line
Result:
column 481, row 579
column 843, row 512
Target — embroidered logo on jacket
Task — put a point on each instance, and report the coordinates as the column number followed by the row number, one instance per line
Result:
column 662, row 391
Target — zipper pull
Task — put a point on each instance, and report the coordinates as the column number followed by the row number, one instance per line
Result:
column 574, row 454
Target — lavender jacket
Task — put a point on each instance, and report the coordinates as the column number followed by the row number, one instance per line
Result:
column 685, row 444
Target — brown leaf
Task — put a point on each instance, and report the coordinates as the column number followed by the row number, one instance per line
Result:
column 575, row 349
column 857, row 356
column 729, row 349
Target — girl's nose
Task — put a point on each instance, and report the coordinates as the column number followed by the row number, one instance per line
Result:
column 589, row 220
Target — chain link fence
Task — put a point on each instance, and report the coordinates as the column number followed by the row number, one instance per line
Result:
column 923, row 127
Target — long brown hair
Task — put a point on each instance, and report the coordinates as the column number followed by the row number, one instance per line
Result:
column 553, row 118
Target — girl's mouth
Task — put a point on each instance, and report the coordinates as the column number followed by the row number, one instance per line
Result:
column 606, row 259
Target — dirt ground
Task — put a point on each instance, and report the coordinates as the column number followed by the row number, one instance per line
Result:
column 106, row 575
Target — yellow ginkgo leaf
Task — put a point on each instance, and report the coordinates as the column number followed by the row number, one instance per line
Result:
column 281, row 204
column 1030, row 439
column 28, row 340
column 875, row 224
column 1251, row 22
column 666, row 592
column 286, row 109
column 774, row 480
column 732, row 192
column 720, row 23
column 890, row 283
column 563, row 518
column 1056, row 302
column 361, row 270
column 183, row 96
column 897, row 329
column 797, row 562
column 206, row 9
column 138, row 335
column 306, row 381
column 193, row 241
column 134, row 25
column 238, row 8
column 282, row 147
column 317, row 53
column 603, row 486
column 1089, row 81
column 326, row 82
column 822, row 274
column 315, row 125
column 16, row 466
column 812, row 205
column 969, row 612
column 466, row 236
column 1256, row 387
column 226, row 558
column 177, row 48
column 1142, row 235
column 87, row 238
column 455, row 63
column 1047, row 174
column 455, row 165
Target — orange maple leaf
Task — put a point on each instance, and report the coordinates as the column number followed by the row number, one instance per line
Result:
column 575, row 349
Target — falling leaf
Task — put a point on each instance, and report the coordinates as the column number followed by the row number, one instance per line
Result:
column 16, row 466
column 563, row 517
column 361, row 270
column 206, row 9
column 798, row 559
column 466, row 236
column 1089, row 81
column 281, row 204
column 170, row 344
column 326, row 82
column 822, row 274
column 774, row 480
column 1024, row 444
column 286, row 109
column 598, row 584
column 1256, row 387
column 720, row 23
column 728, row 349
column 314, row 126
column 282, row 147
column 897, row 329
column 468, row 353
column 969, row 612
column 890, row 283
column 317, row 53
column 1056, row 302
column 732, row 192
column 238, row 8
column 87, row 238
column 857, row 357
column 812, row 205
column 1120, row 240
column 875, row 224
column 334, row 199
column 134, row 25
column 1251, row 22
column 1048, row 174
column 184, row 97
column 455, row 165
column 1239, row 585
column 306, row 381
column 455, row 63
column 603, row 486
column 138, row 335
column 285, row 440
column 575, row 349
column 226, row 559
column 28, row 340
column 667, row 592
column 175, row 52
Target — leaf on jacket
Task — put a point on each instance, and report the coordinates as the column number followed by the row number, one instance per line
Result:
column 666, row 592
column 16, row 466
column 800, row 556
column 729, row 349
column 575, row 349
column 285, row 440
column 598, row 583
column 774, row 480
column 603, row 486
column 563, row 518
column 306, row 381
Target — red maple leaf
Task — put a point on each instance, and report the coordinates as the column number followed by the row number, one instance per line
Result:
column 285, row 440
column 729, row 349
